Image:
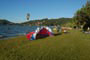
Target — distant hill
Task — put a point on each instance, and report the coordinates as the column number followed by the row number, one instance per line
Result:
column 4, row 22
column 48, row 22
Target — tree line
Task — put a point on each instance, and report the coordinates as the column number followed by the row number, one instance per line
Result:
column 82, row 16
column 49, row 22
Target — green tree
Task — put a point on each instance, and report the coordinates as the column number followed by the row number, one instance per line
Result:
column 82, row 16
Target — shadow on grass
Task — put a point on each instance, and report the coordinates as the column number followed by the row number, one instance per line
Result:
column 42, row 37
column 57, row 34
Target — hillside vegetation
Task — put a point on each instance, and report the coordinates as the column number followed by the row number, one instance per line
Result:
column 4, row 22
column 46, row 21
column 49, row 22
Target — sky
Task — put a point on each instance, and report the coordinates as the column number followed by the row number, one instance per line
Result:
column 16, row 10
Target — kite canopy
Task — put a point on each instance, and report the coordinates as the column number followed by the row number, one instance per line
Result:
column 40, row 33
column 30, row 36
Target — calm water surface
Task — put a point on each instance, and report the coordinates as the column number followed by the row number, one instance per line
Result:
column 15, row 30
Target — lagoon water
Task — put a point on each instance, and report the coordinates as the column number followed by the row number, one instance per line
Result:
column 15, row 30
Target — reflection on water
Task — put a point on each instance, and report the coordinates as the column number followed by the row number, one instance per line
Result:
column 15, row 30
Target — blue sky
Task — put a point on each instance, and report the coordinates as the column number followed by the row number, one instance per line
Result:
column 16, row 10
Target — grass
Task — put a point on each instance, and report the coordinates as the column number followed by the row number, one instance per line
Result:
column 72, row 46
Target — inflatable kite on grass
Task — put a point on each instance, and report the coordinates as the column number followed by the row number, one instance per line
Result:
column 40, row 33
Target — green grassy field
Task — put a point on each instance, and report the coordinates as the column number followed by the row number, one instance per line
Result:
column 72, row 46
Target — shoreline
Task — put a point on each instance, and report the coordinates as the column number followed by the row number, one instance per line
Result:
column 6, row 38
